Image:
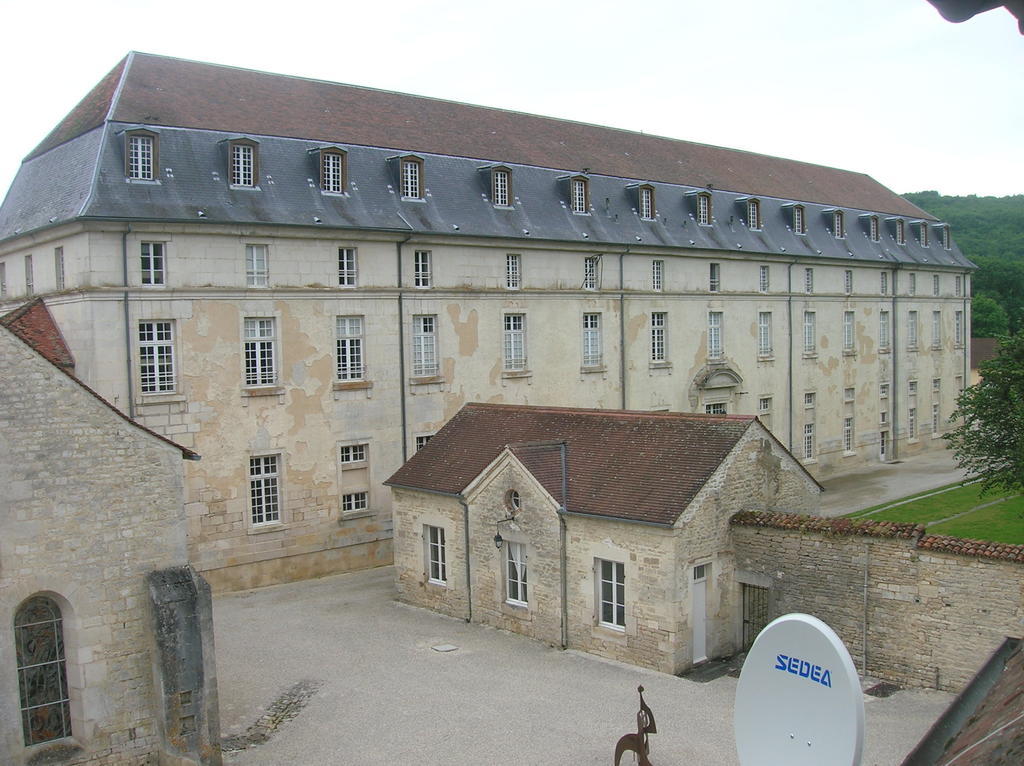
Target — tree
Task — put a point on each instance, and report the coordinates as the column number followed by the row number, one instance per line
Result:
column 989, row 443
column 988, row 318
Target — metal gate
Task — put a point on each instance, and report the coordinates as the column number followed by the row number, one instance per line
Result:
column 755, row 612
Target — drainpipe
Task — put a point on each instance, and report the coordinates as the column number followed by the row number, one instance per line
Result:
column 622, row 329
column 966, row 337
column 401, row 360
column 563, row 562
column 789, row 329
column 127, row 325
column 894, row 386
column 864, row 633
column 469, row 581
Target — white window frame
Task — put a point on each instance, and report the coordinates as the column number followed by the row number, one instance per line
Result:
column 764, row 333
column 810, row 332
column 922, row 235
column 657, row 275
column 243, row 165
column 351, row 455
column 257, row 266
column 947, row 242
column 901, row 231
column 715, row 408
column 591, row 272
column 501, row 187
column 157, row 374
column 348, row 266
column 912, row 284
column 424, row 346
column 350, row 359
column 958, row 328
column 799, row 220
column 659, row 333
column 808, row 442
column 411, row 171
column 849, row 330
column 754, row 215
column 936, row 417
column 611, row 594
column 883, row 390
column 764, row 278
column 264, row 490
column 874, row 230
column 936, row 329
column 514, row 343
column 516, row 575
column 422, row 269
column 912, row 330
column 30, row 279
column 848, row 434
column 715, row 346
column 912, row 422
column 883, row 283
column 153, row 264
column 513, row 271
column 958, row 286
column 884, row 333
column 704, row 214
column 714, row 277
column 332, row 172
column 421, row 441
column 646, row 203
column 808, row 280
column 58, row 267
column 260, row 351
column 848, row 282
column 936, row 291
column 579, row 196
column 593, row 355
column 437, row 560
column 141, row 157
column 353, row 502
column 838, row 224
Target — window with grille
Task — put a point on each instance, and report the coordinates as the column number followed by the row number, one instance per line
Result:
column 657, row 275
column 947, row 242
column 958, row 286
column 646, row 203
column 579, row 195
column 592, row 352
column 591, row 273
column 883, row 283
column 141, row 157
column 437, row 567
column 152, row 263
column 848, row 281
column 347, row 264
column 714, row 277
column 332, row 172
column 704, row 209
column 912, row 329
column 958, row 328
column 264, row 489
column 799, row 221
column 839, row 224
column 42, row 671
column 808, row 441
column 883, row 331
column 355, row 501
column 763, row 279
column 912, row 284
column 513, row 271
column 935, row 284
column 515, row 574
column 515, row 343
column 260, row 362
column 58, row 267
column 936, row 329
column 658, row 329
column 848, row 331
column 424, row 346
column 412, row 178
column 848, row 434
column 714, row 334
column 764, row 333
column 257, row 266
column 754, row 214
column 901, row 232
column 156, row 357
column 873, row 228
column 349, row 347
column 421, row 269
column 501, row 187
column 715, row 408
column 808, row 280
column 810, row 332
column 242, row 166
column 352, row 453
column 923, row 234
column 30, row 279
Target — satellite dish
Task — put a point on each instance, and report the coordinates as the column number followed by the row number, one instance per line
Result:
column 799, row 700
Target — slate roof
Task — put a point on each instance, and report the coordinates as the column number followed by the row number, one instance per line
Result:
column 640, row 466
column 78, row 170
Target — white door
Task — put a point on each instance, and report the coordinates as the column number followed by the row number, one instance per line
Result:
column 698, row 612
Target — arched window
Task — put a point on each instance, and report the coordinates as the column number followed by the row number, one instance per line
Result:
column 42, row 671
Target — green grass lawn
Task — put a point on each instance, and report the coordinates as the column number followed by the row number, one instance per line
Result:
column 1002, row 522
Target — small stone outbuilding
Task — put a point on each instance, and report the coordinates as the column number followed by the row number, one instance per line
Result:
column 604, row 531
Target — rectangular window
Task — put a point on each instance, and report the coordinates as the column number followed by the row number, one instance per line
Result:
column 591, row 279
column 912, row 284
column 883, row 390
column 355, row 501
column 264, row 489
column 421, row 269
column 657, row 275
column 349, row 346
column 754, row 214
column 764, row 333
column 260, row 363
column 958, row 381
column 848, row 281
column 958, row 328
column 848, row 331
column 810, row 332
column 946, row 241
column 883, row 416
column 799, row 222
column 936, row 329
column 152, row 263
column 422, row 441
column 958, row 286
column 912, row 329
column 848, row 434
column 808, row 280
column 923, row 234
column 714, row 277
column 578, row 195
column 658, row 329
column 612, row 593
column 592, row 346
column 243, row 165
column 763, row 281
column 437, row 567
column 515, row 342
column 873, row 228
column 412, row 179
column 935, row 417
column 704, row 209
column 513, row 271
column 808, row 441
column 156, row 357
column 935, row 284
column 58, row 267
column 901, row 232
column 515, row 574
column 646, row 203
column 912, row 423
column 257, row 266
column 30, row 280
column 424, row 346
column 883, row 330
column 848, row 394
column 500, row 187
column 838, row 224
column 883, row 283
column 140, row 157
column 347, row 264
column 332, row 172
column 912, row 388
column 715, row 408
column 352, row 453
column 764, row 405
column 810, row 397
column 714, row 334
column 936, row 384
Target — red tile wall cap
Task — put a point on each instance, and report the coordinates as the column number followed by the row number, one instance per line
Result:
column 799, row 522
column 965, row 547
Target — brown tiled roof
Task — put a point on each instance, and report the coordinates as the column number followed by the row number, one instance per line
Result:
column 34, row 324
column 640, row 466
column 982, row 548
column 801, row 523
column 172, row 92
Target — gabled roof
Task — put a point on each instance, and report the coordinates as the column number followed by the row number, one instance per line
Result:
column 159, row 91
column 34, row 326
column 640, row 466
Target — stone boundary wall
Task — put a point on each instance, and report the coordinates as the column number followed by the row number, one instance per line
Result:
column 926, row 610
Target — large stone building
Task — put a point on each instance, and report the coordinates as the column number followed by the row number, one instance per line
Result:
column 606, row 531
column 303, row 281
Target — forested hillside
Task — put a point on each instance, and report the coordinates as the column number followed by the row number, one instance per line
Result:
column 990, row 231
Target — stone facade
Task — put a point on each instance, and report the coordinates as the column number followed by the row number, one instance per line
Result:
column 658, row 560
column 92, row 504
column 924, row 617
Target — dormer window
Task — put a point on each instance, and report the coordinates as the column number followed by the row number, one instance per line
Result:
column 799, row 221
column 838, row 224
column 946, row 242
column 579, row 194
column 501, row 187
column 922, row 233
column 754, row 214
column 140, row 155
column 411, row 173
column 704, row 209
column 333, row 169
column 645, row 202
column 873, row 228
column 900, row 228
column 243, row 162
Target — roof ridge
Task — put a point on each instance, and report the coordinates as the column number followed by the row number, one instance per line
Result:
column 595, row 411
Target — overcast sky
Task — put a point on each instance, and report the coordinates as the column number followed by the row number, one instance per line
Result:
column 884, row 87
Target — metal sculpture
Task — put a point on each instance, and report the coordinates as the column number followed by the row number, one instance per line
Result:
column 637, row 743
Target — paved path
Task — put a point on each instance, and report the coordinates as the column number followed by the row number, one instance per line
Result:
column 338, row 673
column 888, row 481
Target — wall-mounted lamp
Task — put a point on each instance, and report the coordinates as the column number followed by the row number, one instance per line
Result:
column 498, row 539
